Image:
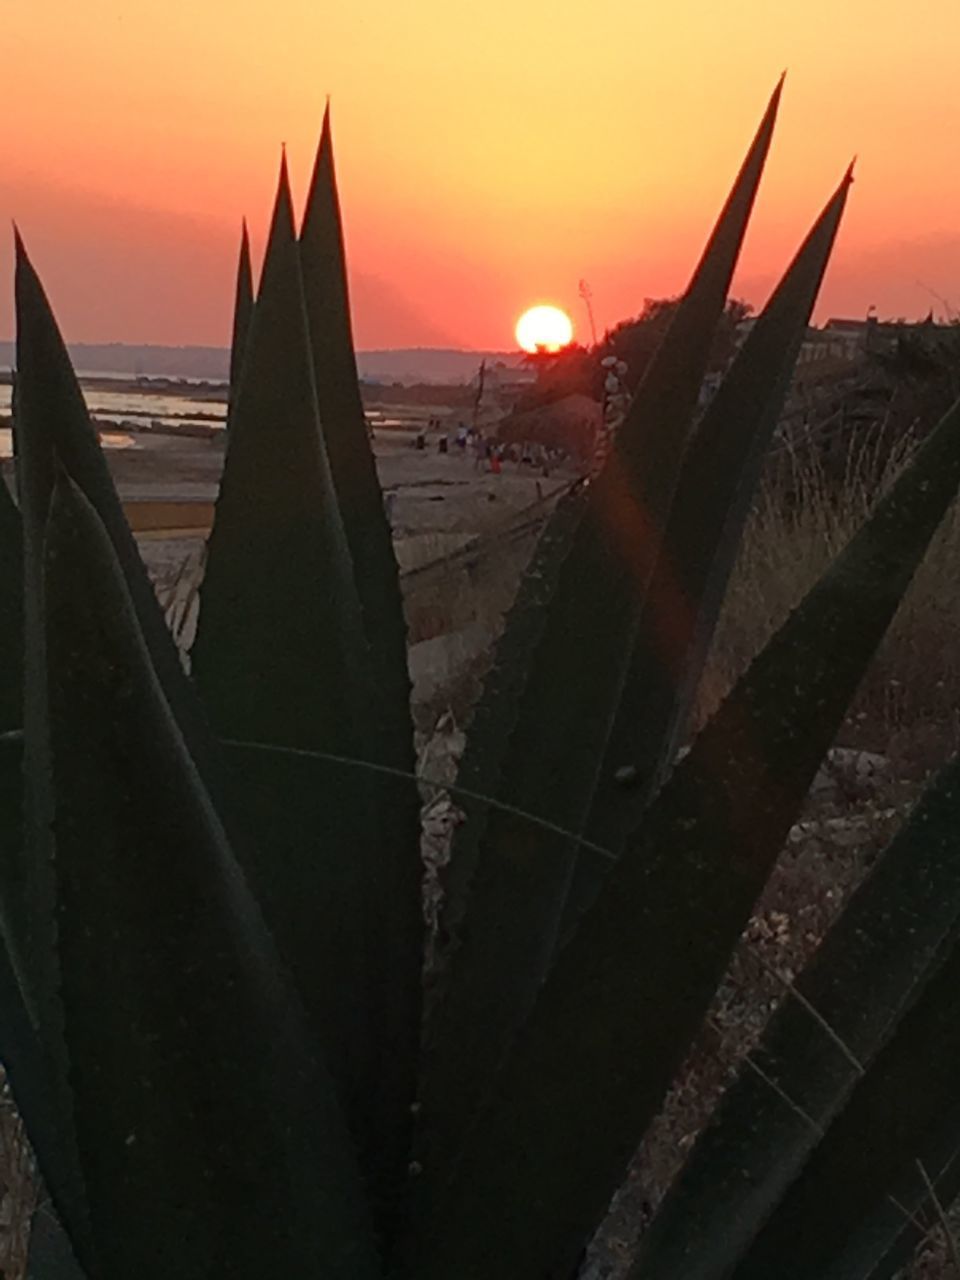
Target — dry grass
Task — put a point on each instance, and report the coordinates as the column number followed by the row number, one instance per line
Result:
column 18, row 1190
column 907, row 706
column 907, row 710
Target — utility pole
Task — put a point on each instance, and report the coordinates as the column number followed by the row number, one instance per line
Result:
column 481, row 377
column 586, row 294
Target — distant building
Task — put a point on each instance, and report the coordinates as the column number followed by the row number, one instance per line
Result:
column 827, row 346
column 871, row 336
column 509, row 379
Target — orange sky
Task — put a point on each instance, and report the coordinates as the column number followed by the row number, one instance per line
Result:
column 490, row 155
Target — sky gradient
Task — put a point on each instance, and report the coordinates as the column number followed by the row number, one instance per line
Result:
column 489, row 156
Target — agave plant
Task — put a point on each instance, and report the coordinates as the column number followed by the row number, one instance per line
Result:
column 211, row 979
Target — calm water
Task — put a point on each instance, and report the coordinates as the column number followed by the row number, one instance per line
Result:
column 132, row 406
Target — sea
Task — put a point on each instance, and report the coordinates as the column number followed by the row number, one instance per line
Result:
column 135, row 407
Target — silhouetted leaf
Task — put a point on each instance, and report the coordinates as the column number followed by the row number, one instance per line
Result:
column 52, row 419
column 242, row 314
column 279, row 652
column 51, row 422
column 11, row 611
column 906, row 1101
column 399, row 922
column 210, row 1137
column 893, row 1237
column 713, row 499
column 537, row 737
column 281, row 659
column 22, row 1054
column 627, row 994
column 50, row 1256
column 859, row 981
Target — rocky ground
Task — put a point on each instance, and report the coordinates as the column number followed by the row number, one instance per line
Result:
column 853, row 809
column 857, row 802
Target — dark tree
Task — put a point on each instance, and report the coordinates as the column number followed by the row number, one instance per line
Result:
column 634, row 341
column 577, row 369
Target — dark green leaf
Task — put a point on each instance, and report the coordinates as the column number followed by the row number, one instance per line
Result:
column 50, row 1257
column 906, row 1101
column 279, row 651
column 399, row 924
column 306, row 874
column 210, row 1138
column 281, row 659
column 352, row 462
column 859, row 981
column 51, row 421
column 11, row 611
column 242, row 313
column 52, row 427
column 894, row 1237
column 628, row 993
column 23, row 1056
column 537, row 745
column 713, row 499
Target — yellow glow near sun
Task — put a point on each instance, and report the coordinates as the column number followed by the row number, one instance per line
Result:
column 544, row 328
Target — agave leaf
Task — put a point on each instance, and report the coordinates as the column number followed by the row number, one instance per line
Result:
column 628, row 993
column 894, row 1237
column 277, row 543
column 51, row 419
column 45, row 393
column 352, row 462
column 11, row 595
column 49, row 416
column 51, row 1256
column 11, row 717
column 11, row 831
column 280, row 659
column 662, row 407
column 859, row 981
column 713, row 498
column 23, row 1056
column 242, row 313
column 51, row 422
column 25, row 1062
column 306, row 874
column 21, row 1051
column 399, row 923
column 539, row 751
column 906, row 1102
column 210, row 1136
column 502, row 689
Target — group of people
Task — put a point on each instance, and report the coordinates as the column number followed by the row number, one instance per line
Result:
column 489, row 453
column 464, row 438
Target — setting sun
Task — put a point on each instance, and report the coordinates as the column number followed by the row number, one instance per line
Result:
column 544, row 328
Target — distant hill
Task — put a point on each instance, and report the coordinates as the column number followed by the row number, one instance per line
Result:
column 204, row 363
column 428, row 364
column 406, row 365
